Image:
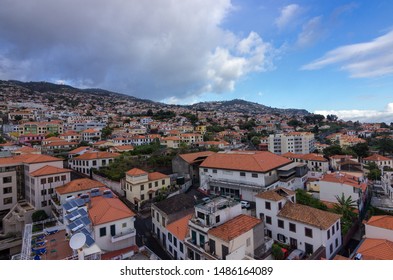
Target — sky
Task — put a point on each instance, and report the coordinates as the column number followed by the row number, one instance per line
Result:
column 328, row 57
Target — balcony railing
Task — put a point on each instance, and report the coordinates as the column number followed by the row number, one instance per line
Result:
column 123, row 235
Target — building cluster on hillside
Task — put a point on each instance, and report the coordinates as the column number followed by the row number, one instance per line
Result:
column 239, row 188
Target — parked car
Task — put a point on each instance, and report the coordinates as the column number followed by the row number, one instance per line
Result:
column 245, row 204
column 296, row 255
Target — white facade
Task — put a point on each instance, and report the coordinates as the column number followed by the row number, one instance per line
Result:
column 297, row 143
column 115, row 235
column 240, row 184
column 8, row 188
column 84, row 165
column 296, row 233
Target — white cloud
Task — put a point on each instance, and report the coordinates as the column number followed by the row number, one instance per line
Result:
column 152, row 49
column 311, row 31
column 363, row 60
column 287, row 15
column 385, row 115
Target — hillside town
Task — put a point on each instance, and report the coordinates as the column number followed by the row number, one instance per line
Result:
column 96, row 175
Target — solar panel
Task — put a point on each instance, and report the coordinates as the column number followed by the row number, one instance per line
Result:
column 72, row 225
column 82, row 212
column 86, row 221
column 79, row 202
column 69, row 216
column 89, row 240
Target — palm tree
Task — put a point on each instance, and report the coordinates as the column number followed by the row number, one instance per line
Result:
column 345, row 206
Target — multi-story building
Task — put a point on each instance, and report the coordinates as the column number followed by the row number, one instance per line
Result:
column 299, row 226
column 41, row 127
column 141, row 185
column 380, row 161
column 177, row 232
column 71, row 136
column 91, row 135
column 317, row 164
column 91, row 160
column 243, row 174
column 293, row 142
column 207, row 215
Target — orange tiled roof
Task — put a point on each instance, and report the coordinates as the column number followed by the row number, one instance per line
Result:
column 157, row 176
column 382, row 221
column 79, row 185
column 308, row 215
column 124, row 148
column 96, row 155
column 48, row 170
column 38, row 158
column 376, row 249
column 274, row 194
column 26, row 149
column 78, row 150
column 61, row 143
column 90, row 130
column 234, row 227
column 136, row 172
column 376, row 157
column 104, row 210
column 171, row 138
column 311, row 157
column 245, row 161
column 179, row 228
column 190, row 158
column 345, row 179
column 53, row 139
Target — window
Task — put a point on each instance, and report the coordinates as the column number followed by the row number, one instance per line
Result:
column 204, row 169
column 336, row 242
column 44, row 203
column 43, row 192
column 142, row 187
column 269, row 220
column 7, row 179
column 331, row 248
column 43, row 181
column 156, row 184
column 269, row 233
column 333, row 230
column 103, row 162
column 94, row 163
column 158, row 217
column 150, row 185
column 309, row 248
column 57, row 179
column 328, row 234
column 248, row 242
column 254, row 175
column 243, row 174
column 308, row 232
column 7, row 200
column 214, row 170
column 174, row 242
column 170, row 237
column 163, row 221
column 280, row 223
column 217, row 219
column 337, row 225
column 292, row 227
column 123, row 225
column 50, row 180
column 267, row 205
column 142, row 197
column 281, row 237
column 279, row 205
column 181, row 247
column 102, row 231
column 163, row 182
column 63, row 177
column 170, row 248
column 7, row 190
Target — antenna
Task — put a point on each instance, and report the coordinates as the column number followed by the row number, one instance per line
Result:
column 77, row 241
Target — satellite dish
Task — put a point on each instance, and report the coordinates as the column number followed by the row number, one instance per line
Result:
column 77, row 241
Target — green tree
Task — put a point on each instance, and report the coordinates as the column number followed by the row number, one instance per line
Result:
column 302, row 197
column 255, row 140
column 18, row 118
column 385, row 145
column 39, row 215
column 332, row 150
column 277, row 252
column 361, row 149
column 106, row 132
column 346, row 208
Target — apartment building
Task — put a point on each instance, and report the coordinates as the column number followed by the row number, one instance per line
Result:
column 317, row 164
column 141, row 185
column 91, row 160
column 177, row 232
column 41, row 127
column 91, row 135
column 299, row 226
column 380, row 161
column 293, row 142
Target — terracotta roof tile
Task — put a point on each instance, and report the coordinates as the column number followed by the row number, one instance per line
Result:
column 344, row 179
column 96, row 155
column 190, row 158
column 382, row 221
column 376, row 249
column 310, row 157
column 79, row 185
column 308, row 215
column 38, row 158
column 136, row 172
column 79, row 149
column 157, row 176
column 245, row 161
column 104, row 210
column 376, row 157
column 275, row 194
column 179, row 228
column 234, row 227
column 61, row 143
column 49, row 170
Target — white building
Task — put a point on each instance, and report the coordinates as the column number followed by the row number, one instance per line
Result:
column 293, row 142
column 177, row 232
column 243, row 174
column 299, row 226
column 380, row 161
column 317, row 164
column 206, row 216
column 91, row 160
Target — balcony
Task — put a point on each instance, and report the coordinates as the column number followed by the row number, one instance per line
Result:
column 123, row 235
column 56, row 203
